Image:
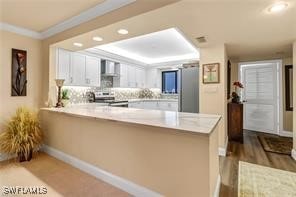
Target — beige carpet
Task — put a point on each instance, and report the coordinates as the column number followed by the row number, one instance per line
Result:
column 259, row 181
column 59, row 179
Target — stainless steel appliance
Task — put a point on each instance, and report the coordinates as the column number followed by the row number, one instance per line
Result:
column 106, row 97
column 108, row 68
column 189, row 89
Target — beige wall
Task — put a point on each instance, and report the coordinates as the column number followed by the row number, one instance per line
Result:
column 213, row 97
column 287, row 115
column 294, row 96
column 8, row 104
column 172, row 163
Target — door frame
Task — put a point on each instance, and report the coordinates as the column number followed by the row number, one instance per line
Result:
column 279, row 63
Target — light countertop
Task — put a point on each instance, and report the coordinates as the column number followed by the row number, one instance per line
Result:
column 197, row 123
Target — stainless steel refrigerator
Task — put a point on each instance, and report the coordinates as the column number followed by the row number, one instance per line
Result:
column 189, row 90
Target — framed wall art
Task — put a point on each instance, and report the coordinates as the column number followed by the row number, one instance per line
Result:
column 289, row 87
column 19, row 73
column 211, row 73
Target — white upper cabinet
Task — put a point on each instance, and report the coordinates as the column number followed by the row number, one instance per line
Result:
column 83, row 70
column 78, row 69
column 93, row 71
column 63, row 65
column 131, row 76
column 140, row 77
column 122, row 80
column 153, row 78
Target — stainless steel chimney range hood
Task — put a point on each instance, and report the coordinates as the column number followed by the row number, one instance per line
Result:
column 108, row 68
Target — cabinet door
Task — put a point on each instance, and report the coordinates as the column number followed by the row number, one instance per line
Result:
column 143, row 77
column 168, row 106
column 131, row 76
column 140, row 77
column 92, row 71
column 153, row 78
column 137, row 104
column 150, row 105
column 123, row 76
column 63, row 65
column 78, row 69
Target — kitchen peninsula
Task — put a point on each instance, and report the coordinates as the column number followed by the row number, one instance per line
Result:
column 165, row 152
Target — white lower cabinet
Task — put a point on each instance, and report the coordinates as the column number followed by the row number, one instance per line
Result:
column 137, row 104
column 157, row 105
column 168, row 106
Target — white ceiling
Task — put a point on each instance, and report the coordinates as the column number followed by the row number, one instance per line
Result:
column 44, row 18
column 249, row 32
column 34, row 14
column 158, row 47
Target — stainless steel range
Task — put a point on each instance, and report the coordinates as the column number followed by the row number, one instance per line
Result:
column 106, row 97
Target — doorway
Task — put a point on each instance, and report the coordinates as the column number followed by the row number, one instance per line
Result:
column 262, row 95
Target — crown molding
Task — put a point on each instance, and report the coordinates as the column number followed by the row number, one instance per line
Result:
column 99, row 10
column 20, row 30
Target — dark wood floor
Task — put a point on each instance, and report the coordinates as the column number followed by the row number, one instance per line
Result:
column 250, row 151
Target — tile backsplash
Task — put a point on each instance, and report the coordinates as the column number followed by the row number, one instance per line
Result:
column 79, row 94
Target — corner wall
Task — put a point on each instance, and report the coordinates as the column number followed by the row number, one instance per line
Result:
column 9, row 104
column 213, row 97
column 294, row 101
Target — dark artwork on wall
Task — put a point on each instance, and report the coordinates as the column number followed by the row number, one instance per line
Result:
column 19, row 73
column 289, row 87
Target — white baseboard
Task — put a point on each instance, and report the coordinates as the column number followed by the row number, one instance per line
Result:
column 123, row 184
column 293, row 154
column 217, row 188
column 286, row 133
column 223, row 150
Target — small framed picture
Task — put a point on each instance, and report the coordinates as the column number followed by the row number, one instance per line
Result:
column 211, row 73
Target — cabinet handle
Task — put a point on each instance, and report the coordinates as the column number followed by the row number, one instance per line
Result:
column 71, row 79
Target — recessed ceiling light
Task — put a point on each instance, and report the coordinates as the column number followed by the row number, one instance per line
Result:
column 97, row 38
column 278, row 7
column 122, row 31
column 77, row 44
